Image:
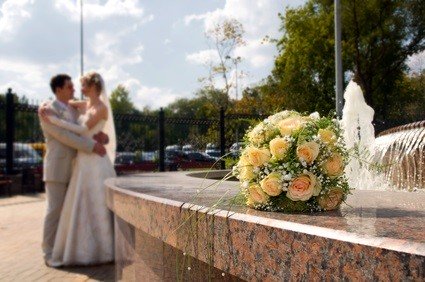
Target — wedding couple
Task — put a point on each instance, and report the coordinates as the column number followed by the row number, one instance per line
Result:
column 81, row 143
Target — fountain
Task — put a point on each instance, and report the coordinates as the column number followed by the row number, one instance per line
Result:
column 400, row 152
column 166, row 230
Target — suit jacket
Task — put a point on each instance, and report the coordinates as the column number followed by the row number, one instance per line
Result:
column 61, row 146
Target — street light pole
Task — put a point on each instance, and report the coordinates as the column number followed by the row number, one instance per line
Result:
column 338, row 60
column 81, row 41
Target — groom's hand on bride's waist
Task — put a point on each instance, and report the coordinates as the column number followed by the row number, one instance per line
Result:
column 99, row 149
column 101, row 137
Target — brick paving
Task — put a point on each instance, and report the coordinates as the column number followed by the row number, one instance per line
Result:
column 21, row 259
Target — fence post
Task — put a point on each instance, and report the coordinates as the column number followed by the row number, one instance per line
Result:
column 161, row 133
column 222, row 138
column 10, row 130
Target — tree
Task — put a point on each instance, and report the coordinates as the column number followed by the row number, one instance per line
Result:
column 121, row 102
column 224, row 37
column 374, row 51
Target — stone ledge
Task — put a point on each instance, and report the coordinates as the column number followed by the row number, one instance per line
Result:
column 379, row 236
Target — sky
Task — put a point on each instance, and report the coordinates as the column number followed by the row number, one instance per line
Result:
column 157, row 49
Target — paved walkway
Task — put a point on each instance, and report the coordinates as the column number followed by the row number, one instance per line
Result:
column 21, row 222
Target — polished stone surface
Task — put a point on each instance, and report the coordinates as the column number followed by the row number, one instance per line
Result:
column 377, row 235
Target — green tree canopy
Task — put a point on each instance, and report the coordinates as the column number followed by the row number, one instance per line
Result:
column 121, row 102
column 378, row 36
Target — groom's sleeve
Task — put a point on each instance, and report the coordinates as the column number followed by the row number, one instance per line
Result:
column 69, row 138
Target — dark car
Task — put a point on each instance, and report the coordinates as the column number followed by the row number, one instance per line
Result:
column 132, row 162
column 175, row 160
column 24, row 157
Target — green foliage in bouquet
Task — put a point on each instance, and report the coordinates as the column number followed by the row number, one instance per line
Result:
column 293, row 163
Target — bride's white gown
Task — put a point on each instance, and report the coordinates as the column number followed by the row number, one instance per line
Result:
column 85, row 231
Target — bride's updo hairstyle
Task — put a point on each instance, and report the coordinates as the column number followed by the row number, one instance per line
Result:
column 93, row 79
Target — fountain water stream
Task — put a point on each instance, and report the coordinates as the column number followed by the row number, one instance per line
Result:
column 400, row 151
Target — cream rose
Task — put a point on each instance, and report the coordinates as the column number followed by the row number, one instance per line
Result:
column 303, row 187
column 246, row 173
column 257, row 195
column 258, row 134
column 327, row 136
column 257, row 157
column 288, row 125
column 279, row 147
column 331, row 200
column 334, row 166
column 308, row 152
column 243, row 160
column 271, row 184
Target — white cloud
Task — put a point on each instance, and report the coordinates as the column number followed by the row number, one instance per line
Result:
column 28, row 78
column 257, row 25
column 416, row 62
column 188, row 19
column 93, row 9
column 203, row 57
column 154, row 97
column 12, row 14
column 167, row 41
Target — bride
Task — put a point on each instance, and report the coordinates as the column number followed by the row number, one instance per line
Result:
column 85, row 230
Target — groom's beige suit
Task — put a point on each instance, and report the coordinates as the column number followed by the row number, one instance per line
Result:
column 61, row 149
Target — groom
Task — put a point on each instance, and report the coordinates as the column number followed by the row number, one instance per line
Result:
column 61, row 148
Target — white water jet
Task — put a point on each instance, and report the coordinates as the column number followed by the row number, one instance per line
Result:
column 359, row 133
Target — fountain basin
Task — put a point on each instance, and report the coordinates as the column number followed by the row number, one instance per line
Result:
column 378, row 235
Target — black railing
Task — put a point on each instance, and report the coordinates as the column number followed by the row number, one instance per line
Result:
column 150, row 139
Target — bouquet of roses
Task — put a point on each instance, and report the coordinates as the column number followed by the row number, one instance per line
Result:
column 293, row 163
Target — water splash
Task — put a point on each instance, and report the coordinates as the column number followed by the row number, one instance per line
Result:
column 359, row 135
column 402, row 149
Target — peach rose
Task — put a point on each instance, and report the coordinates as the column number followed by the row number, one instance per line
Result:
column 331, row 200
column 278, row 147
column 271, row 184
column 327, row 136
column 246, row 173
column 243, row 160
column 257, row 195
column 308, row 152
column 258, row 157
column 258, row 134
column 303, row 187
column 290, row 124
column 334, row 166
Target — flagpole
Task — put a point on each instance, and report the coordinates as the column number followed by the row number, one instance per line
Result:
column 338, row 60
column 81, row 42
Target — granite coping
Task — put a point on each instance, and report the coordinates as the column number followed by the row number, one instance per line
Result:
column 374, row 225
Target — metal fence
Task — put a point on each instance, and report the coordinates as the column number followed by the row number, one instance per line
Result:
column 144, row 142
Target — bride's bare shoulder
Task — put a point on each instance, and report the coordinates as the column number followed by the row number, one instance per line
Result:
column 78, row 104
column 101, row 109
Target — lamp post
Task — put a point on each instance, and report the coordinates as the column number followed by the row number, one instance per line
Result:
column 81, row 42
column 235, row 61
column 338, row 60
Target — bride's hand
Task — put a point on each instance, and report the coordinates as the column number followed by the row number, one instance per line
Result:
column 44, row 113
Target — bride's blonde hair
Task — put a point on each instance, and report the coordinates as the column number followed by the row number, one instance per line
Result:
column 93, row 79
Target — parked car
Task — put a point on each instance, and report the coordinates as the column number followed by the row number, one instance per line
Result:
column 213, row 151
column 196, row 160
column 173, row 148
column 24, row 157
column 175, row 160
column 132, row 162
column 235, row 149
column 188, row 148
